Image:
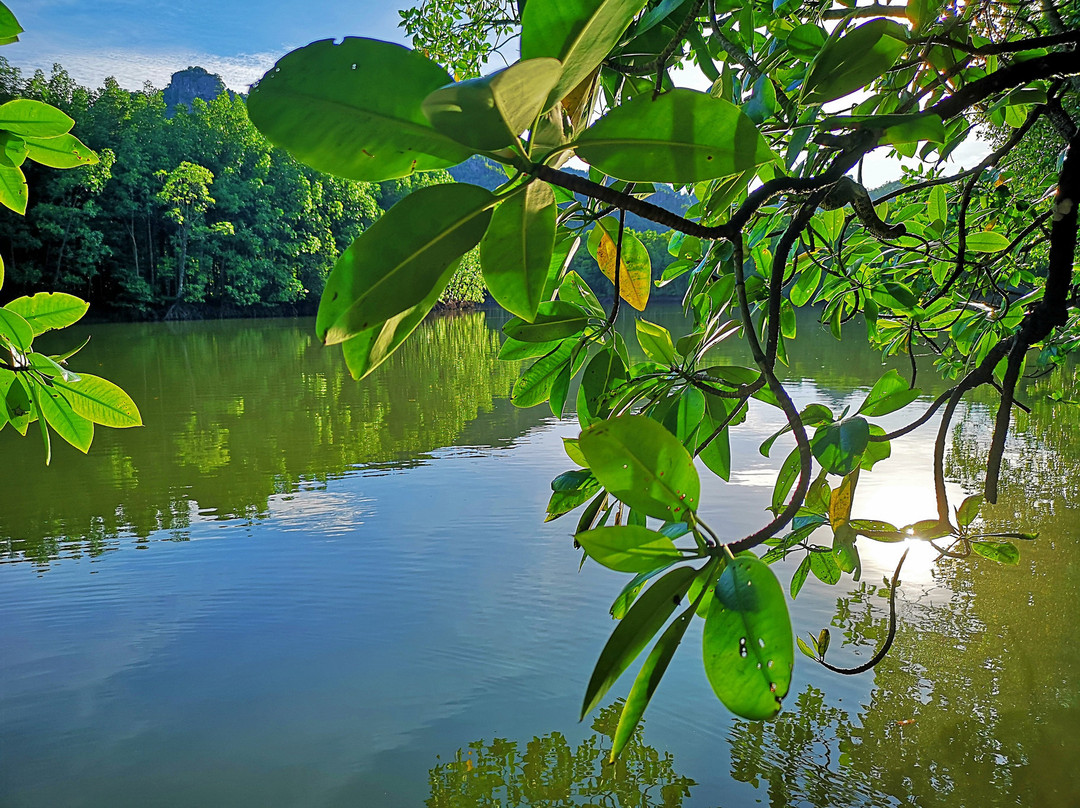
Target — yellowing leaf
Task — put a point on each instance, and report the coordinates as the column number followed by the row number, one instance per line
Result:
column 635, row 266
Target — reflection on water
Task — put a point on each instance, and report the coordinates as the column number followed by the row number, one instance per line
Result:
column 550, row 772
column 240, row 414
column 389, row 592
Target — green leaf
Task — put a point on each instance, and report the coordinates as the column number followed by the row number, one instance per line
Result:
column 889, row 394
column 9, row 26
column 564, row 499
column 806, row 648
column 517, row 349
column 489, row 113
column 805, row 41
column 535, row 384
column 628, row 548
column 50, row 369
column 354, row 109
column 803, row 290
column 604, row 374
column 34, row 395
column 66, row 151
column 748, row 645
column 632, row 634
column 969, row 510
column 917, row 127
column 554, row 320
column 13, row 149
column 516, row 250
column 799, row 578
column 682, row 136
column 397, row 262
column 14, row 193
column 579, row 33
column 635, row 265
column 987, row 241
column 938, row 205
column 1002, row 552
column 73, row 428
column 15, row 329
column 28, row 118
column 642, row 464
column 647, row 680
column 655, row 341
column 853, row 61
column 839, row 446
column 785, row 479
column 100, row 401
column 370, row 348
column 15, row 401
column 825, row 568
column 48, row 310
column 895, row 296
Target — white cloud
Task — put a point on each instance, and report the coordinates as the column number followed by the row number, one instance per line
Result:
column 132, row 68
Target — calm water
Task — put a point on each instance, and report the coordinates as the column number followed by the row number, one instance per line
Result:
column 290, row 589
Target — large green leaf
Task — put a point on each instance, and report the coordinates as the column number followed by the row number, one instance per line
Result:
column 655, row 341
column 48, row 310
column 534, row 385
column 397, row 262
column 644, row 465
column 369, row 349
column 554, row 320
column 987, row 241
column 747, row 645
column 604, row 374
column 1003, row 552
column 579, row 33
column 75, row 429
column 839, row 446
column 628, row 548
column 13, row 149
column 516, row 251
column 353, row 109
column 854, row 60
column 647, row 680
column 28, row 118
column 681, row 137
column 9, row 26
column 65, row 151
column 15, row 329
column 648, row 614
column 889, row 394
column 100, row 401
column 489, row 113
column 14, row 192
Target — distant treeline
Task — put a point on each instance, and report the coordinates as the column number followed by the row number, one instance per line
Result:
column 192, row 211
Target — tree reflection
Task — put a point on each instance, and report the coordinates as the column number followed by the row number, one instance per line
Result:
column 978, row 702
column 239, row 412
column 551, row 772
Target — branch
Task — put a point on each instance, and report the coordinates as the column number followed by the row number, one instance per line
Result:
column 1065, row 63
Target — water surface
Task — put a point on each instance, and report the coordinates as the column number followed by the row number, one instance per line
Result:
column 290, row 589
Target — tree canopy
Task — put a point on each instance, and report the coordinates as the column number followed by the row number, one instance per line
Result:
column 965, row 270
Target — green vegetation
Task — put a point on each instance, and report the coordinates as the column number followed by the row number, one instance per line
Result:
column 947, row 269
column 36, row 387
column 185, row 207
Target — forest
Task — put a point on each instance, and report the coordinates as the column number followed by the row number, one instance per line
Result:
column 191, row 212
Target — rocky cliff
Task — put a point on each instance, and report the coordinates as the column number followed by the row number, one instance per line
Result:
column 187, row 85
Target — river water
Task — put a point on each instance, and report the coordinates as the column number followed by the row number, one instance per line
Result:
column 292, row 589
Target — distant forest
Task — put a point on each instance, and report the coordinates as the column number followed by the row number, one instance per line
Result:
column 191, row 212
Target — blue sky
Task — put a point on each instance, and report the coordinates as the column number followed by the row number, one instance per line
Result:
column 139, row 40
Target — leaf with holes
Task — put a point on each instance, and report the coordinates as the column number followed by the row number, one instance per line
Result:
column 748, row 645
column 644, row 465
column 48, row 310
column 354, row 109
column 682, row 136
